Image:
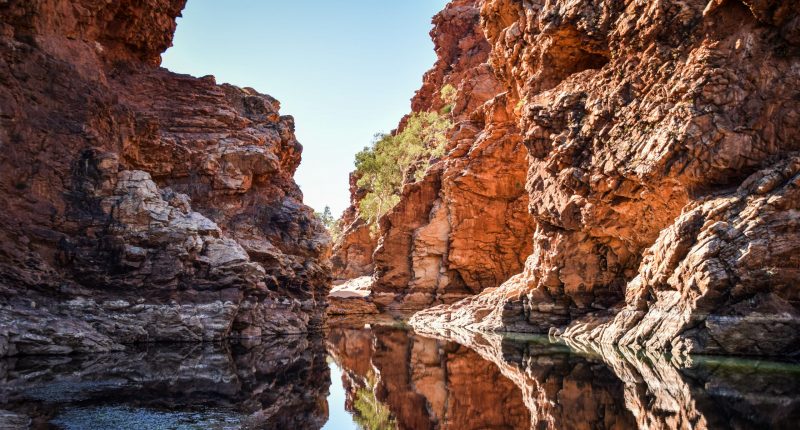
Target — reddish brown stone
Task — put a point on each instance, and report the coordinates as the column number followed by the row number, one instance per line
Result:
column 139, row 204
column 642, row 124
column 464, row 227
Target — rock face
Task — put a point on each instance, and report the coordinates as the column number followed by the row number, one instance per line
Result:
column 141, row 205
column 464, row 226
column 661, row 146
column 352, row 253
column 352, row 298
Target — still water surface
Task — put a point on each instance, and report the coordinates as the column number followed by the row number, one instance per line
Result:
column 387, row 377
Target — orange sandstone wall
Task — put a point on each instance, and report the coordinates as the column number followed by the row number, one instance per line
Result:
column 663, row 172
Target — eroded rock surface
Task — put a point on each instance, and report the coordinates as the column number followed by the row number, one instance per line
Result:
column 141, row 205
column 352, row 253
column 353, row 297
column 464, row 226
column 661, row 143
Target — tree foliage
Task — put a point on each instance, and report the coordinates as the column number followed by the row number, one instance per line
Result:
column 326, row 217
column 448, row 95
column 392, row 160
column 332, row 224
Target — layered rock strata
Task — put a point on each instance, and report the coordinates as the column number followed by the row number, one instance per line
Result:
column 661, row 148
column 352, row 298
column 464, row 226
column 352, row 253
column 141, row 205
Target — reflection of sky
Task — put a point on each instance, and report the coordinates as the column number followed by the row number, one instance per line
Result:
column 339, row 419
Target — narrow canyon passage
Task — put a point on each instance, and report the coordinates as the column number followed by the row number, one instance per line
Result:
column 386, row 377
column 588, row 216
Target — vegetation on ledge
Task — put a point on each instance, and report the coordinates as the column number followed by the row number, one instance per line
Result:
column 396, row 159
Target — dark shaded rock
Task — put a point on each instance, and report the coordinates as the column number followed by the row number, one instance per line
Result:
column 142, row 205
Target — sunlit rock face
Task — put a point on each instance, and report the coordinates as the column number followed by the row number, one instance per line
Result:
column 351, row 298
column 141, row 205
column 662, row 173
column 464, row 226
column 352, row 253
column 200, row 385
column 424, row 383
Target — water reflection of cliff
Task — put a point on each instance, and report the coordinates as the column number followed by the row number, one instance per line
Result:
column 465, row 380
column 425, row 383
column 395, row 378
column 279, row 383
column 592, row 386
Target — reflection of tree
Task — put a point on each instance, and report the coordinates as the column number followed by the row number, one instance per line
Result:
column 370, row 413
column 396, row 379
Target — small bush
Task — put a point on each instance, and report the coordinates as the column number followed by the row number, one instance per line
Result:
column 384, row 166
column 448, row 95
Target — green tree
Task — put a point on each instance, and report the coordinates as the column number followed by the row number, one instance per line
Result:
column 326, row 217
column 333, row 225
column 392, row 160
column 448, row 95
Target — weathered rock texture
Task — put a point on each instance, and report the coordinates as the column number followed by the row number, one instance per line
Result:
column 141, row 205
column 352, row 298
column 464, row 226
column 352, row 253
column 663, row 175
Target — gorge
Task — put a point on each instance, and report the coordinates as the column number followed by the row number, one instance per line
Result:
column 589, row 218
column 618, row 172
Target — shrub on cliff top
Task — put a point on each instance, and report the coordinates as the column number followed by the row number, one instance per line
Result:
column 392, row 160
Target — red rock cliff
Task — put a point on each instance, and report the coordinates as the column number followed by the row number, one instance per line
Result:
column 662, row 145
column 140, row 204
column 657, row 145
column 464, row 226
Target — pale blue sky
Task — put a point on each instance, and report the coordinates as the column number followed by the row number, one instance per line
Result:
column 344, row 69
